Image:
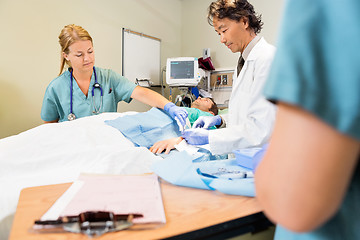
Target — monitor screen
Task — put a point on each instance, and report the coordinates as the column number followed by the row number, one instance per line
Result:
column 182, row 71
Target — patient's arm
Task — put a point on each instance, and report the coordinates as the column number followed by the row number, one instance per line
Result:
column 166, row 145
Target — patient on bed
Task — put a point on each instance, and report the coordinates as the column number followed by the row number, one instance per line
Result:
column 200, row 107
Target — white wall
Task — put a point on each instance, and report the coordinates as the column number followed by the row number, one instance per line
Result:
column 30, row 53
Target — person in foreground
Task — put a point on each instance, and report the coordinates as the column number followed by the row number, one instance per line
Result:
column 308, row 182
column 84, row 90
column 200, row 107
column 250, row 117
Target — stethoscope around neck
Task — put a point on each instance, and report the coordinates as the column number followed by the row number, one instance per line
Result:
column 71, row 115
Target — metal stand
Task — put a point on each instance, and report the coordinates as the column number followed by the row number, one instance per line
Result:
column 185, row 93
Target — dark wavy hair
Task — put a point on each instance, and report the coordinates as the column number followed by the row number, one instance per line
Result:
column 214, row 108
column 235, row 10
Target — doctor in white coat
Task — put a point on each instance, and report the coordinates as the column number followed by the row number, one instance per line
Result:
column 250, row 117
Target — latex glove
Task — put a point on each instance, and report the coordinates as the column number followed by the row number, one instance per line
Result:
column 176, row 112
column 207, row 122
column 197, row 136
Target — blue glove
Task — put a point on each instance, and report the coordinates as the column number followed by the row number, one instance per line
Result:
column 207, row 121
column 176, row 112
column 198, row 136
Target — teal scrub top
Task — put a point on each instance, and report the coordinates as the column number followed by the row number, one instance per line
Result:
column 195, row 113
column 316, row 67
column 56, row 103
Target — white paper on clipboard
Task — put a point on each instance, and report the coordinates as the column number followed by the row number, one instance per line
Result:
column 116, row 193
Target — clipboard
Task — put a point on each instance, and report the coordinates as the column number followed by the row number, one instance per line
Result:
column 96, row 204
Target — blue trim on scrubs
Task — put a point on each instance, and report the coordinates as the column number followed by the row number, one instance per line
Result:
column 56, row 103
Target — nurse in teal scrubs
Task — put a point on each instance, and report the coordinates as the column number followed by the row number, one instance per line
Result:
column 309, row 180
column 84, row 90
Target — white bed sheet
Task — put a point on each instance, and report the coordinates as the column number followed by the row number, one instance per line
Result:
column 58, row 153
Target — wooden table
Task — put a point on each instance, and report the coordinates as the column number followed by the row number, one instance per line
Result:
column 190, row 214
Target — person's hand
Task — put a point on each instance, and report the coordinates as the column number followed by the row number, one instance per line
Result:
column 166, row 145
column 176, row 112
column 207, row 122
column 197, row 136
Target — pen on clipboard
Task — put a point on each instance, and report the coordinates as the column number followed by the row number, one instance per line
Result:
column 94, row 216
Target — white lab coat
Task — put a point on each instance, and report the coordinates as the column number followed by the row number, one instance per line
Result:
column 250, row 118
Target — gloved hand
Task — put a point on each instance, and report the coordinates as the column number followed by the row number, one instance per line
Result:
column 176, row 112
column 198, row 136
column 207, row 122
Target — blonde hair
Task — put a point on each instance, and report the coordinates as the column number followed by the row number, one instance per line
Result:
column 70, row 34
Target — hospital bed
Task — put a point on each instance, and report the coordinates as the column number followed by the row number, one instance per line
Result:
column 108, row 143
column 58, row 153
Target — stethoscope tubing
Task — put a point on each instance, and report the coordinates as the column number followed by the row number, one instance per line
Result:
column 71, row 116
column 71, row 91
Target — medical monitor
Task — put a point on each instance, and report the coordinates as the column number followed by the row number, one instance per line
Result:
column 182, row 71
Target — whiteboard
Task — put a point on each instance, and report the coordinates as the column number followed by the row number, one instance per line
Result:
column 140, row 56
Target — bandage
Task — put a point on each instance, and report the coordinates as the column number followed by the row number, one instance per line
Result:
column 181, row 127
